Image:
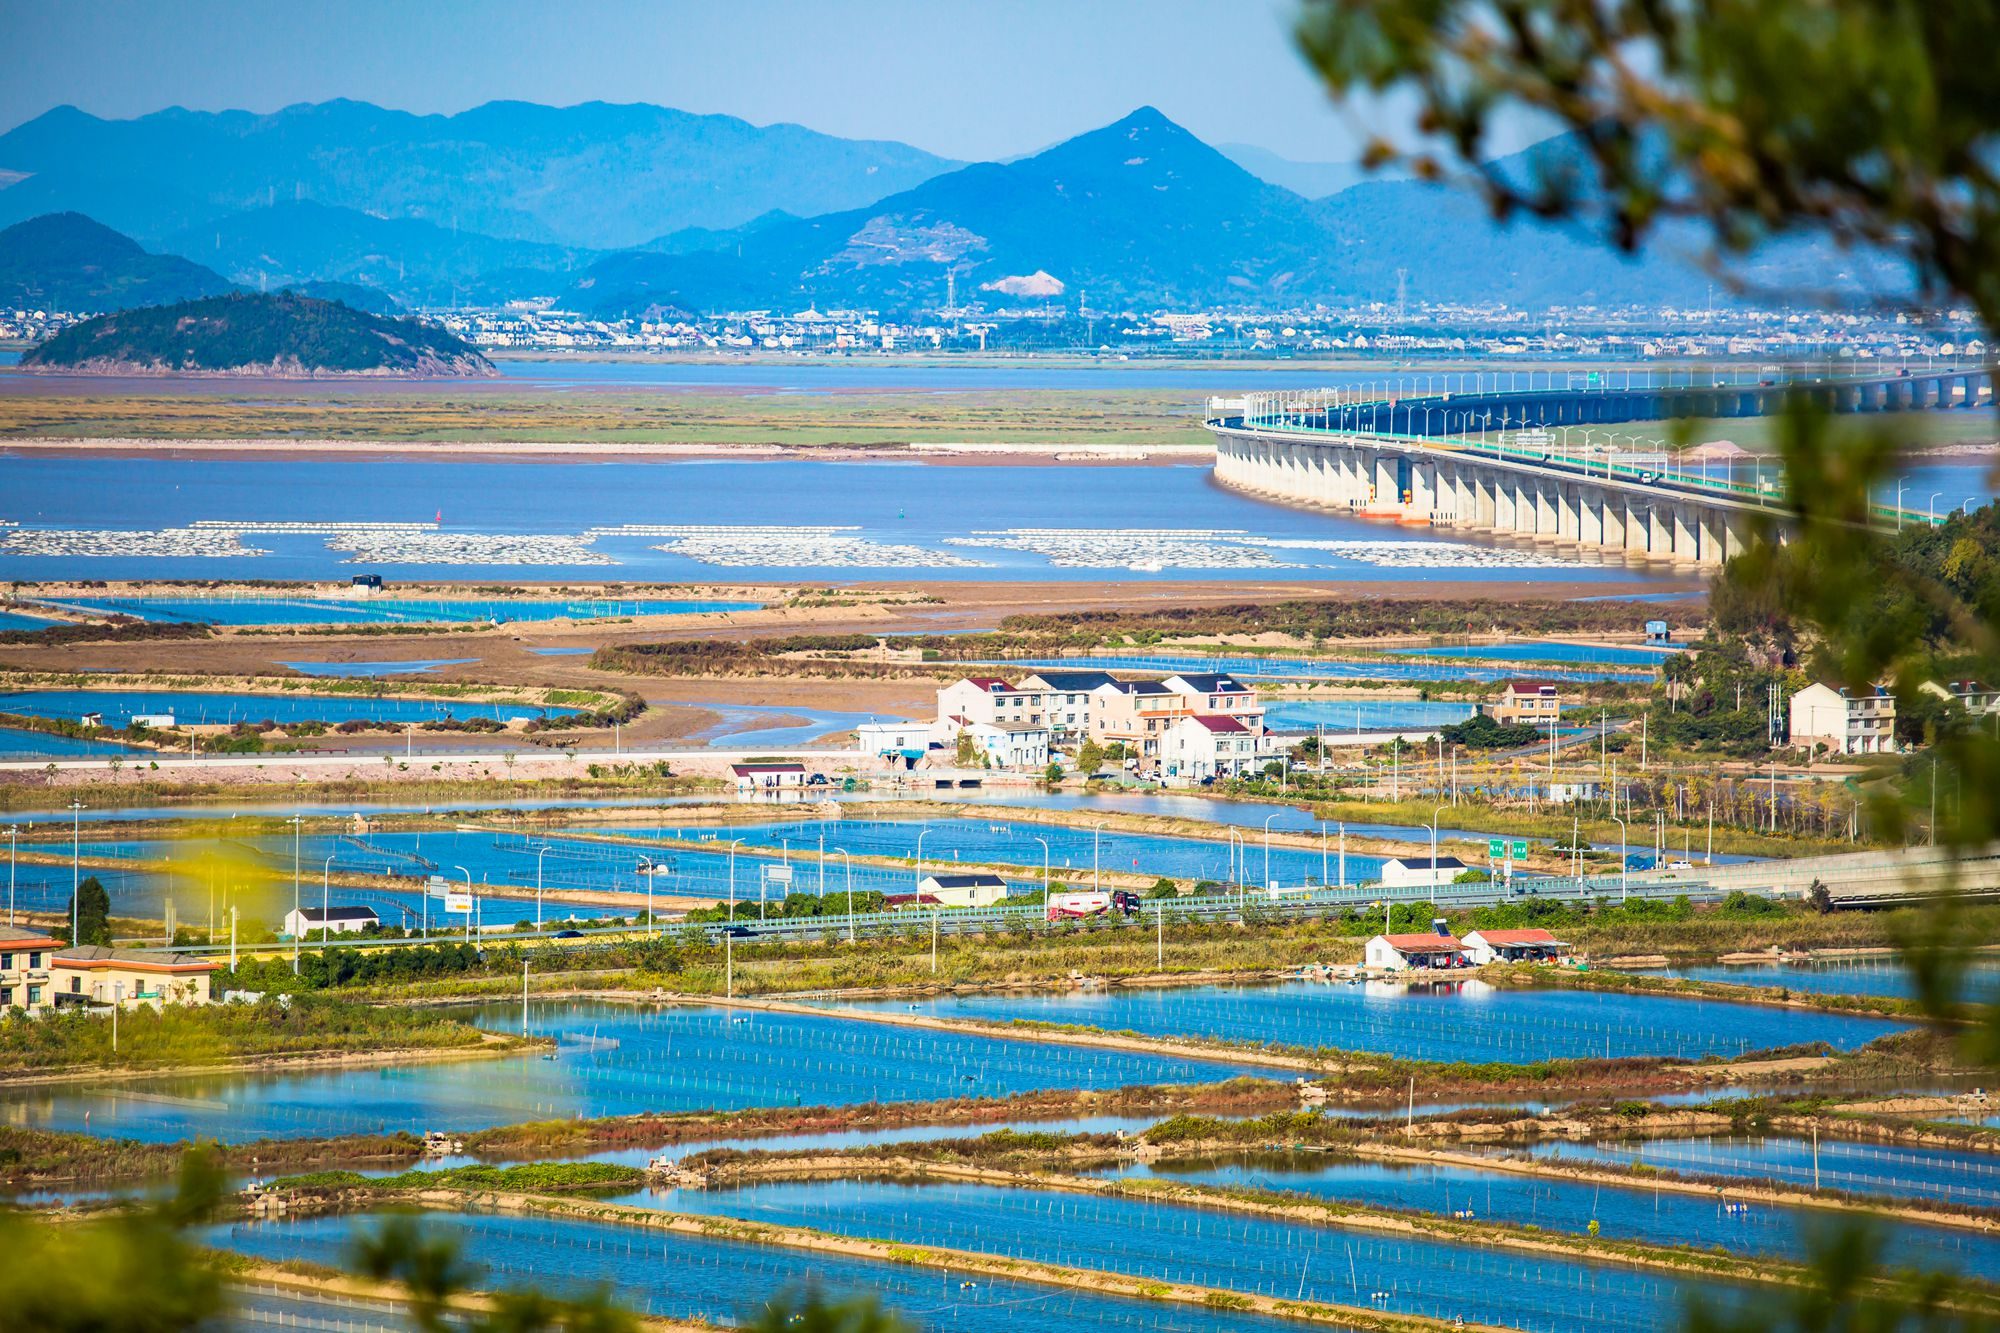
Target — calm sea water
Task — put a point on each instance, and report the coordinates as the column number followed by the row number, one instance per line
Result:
column 913, row 518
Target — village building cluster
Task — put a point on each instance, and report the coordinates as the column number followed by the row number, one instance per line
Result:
column 1184, row 730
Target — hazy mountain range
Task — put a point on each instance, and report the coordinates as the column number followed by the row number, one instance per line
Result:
column 625, row 210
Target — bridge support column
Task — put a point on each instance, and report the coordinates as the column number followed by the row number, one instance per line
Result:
column 1735, row 536
column 1687, row 533
column 1590, row 516
column 1659, row 531
column 1423, row 488
column 1569, row 512
column 1485, row 499
column 1548, row 521
column 1714, row 538
column 1611, row 517
column 1388, row 490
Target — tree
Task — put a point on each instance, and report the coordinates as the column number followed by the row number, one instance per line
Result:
column 1869, row 123
column 1866, row 122
column 1089, row 757
column 1053, row 774
column 90, row 908
column 968, row 749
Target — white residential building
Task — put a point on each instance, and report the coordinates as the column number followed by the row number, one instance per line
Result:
column 1018, row 747
column 1066, row 699
column 1529, row 945
column 1845, row 722
column 306, row 922
column 1220, row 693
column 1395, row 953
column 1207, row 745
column 980, row 890
column 902, row 742
column 1974, row 697
column 1421, row 871
column 991, row 700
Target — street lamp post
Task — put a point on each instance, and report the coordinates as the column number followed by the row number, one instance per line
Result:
column 1267, row 846
column 1096, row 838
column 538, row 884
column 848, row 861
column 922, row 833
column 325, row 896
column 1624, row 862
column 295, row 821
column 732, row 879
column 75, row 870
column 13, row 840
column 468, row 889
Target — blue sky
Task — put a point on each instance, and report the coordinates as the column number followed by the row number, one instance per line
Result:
column 962, row 80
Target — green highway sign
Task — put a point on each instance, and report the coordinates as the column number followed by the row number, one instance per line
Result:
column 1520, row 849
column 1496, row 847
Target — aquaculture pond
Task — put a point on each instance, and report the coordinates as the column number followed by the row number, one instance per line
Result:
column 198, row 899
column 14, row 620
column 741, row 725
column 118, row 707
column 21, row 743
column 257, row 1307
column 1854, row 976
column 612, row 1059
column 1333, row 716
column 1860, row 1168
column 1071, row 852
column 1320, row 668
column 1463, row 1020
column 388, row 610
column 513, row 864
column 367, row 670
column 728, row 1281
column 1656, row 1216
column 1596, row 654
column 1166, row 1242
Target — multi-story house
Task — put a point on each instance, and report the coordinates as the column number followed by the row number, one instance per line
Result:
column 1066, row 699
column 1844, row 721
column 1536, row 703
column 1136, row 714
column 990, row 700
column 1207, row 745
column 24, row 968
column 1222, row 694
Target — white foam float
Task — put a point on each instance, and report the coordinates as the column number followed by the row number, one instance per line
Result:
column 158, row 543
column 1132, row 548
column 799, row 546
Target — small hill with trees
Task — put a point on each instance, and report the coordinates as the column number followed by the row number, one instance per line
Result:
column 282, row 333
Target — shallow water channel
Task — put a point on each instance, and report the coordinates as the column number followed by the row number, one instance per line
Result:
column 1859, row 1168
column 1468, row 1020
column 672, row 1276
column 614, row 1059
column 1656, row 1216
column 1168, row 1242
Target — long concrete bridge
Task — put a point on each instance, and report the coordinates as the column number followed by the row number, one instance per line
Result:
column 1533, row 465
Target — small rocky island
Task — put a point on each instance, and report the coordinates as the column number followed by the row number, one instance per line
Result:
column 252, row 334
